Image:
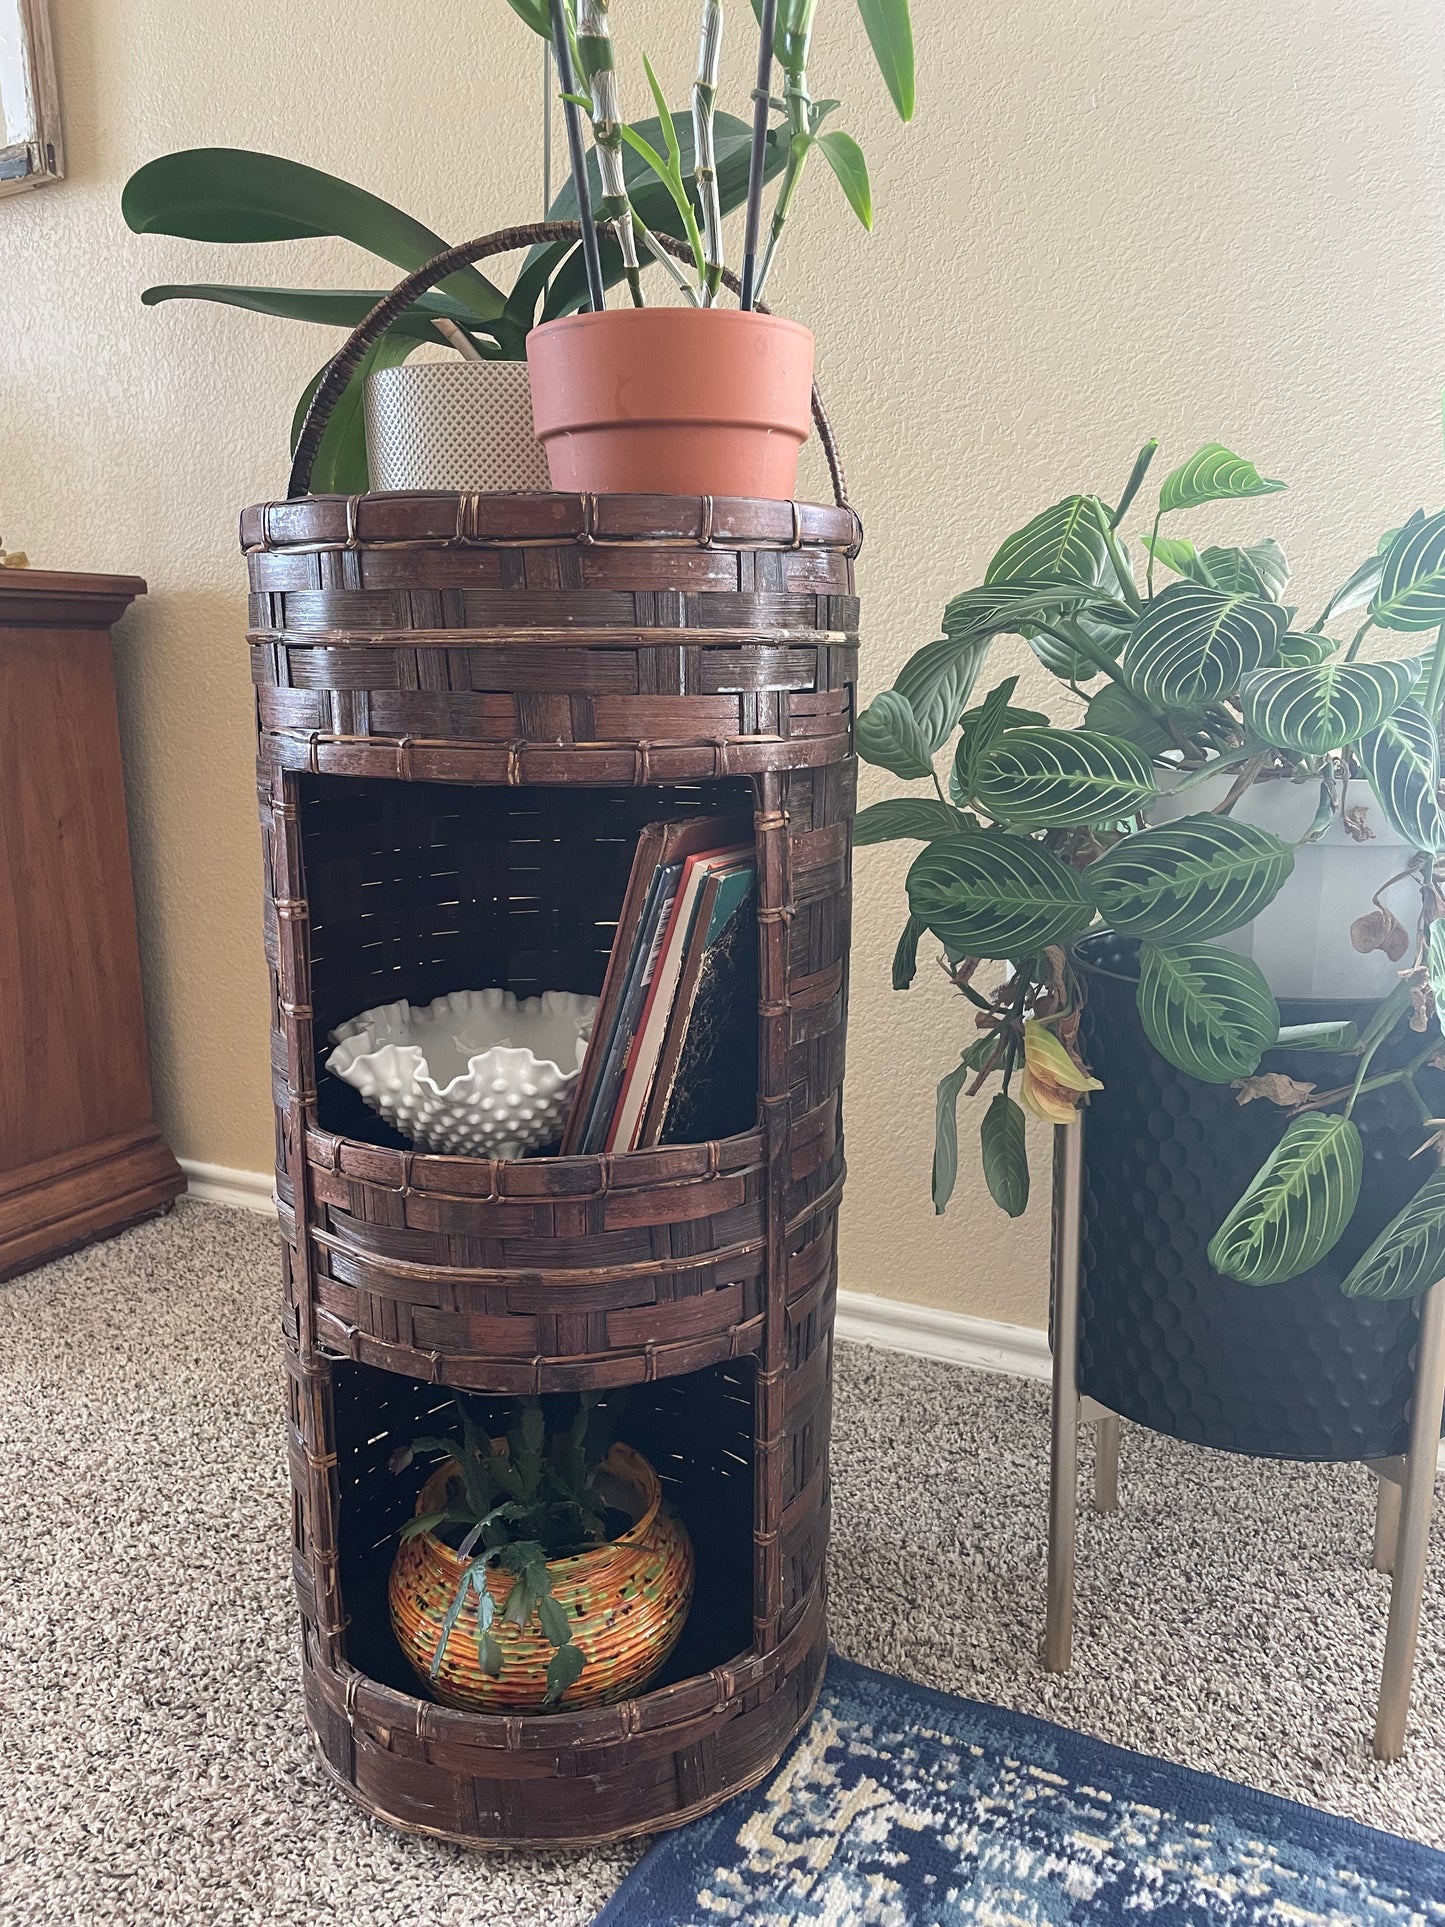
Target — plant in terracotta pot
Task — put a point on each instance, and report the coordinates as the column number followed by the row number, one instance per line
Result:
column 692, row 398
column 540, row 1567
column 1197, row 692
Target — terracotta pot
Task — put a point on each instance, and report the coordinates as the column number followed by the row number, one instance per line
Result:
column 628, row 1601
column 672, row 401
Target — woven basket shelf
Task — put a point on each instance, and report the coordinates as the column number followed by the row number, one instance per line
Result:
column 468, row 706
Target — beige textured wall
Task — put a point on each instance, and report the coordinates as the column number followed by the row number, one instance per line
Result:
column 1222, row 219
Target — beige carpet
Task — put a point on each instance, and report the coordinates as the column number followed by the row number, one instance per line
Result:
column 153, row 1761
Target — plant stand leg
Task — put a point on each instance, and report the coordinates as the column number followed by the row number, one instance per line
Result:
column 1407, row 1585
column 1064, row 1450
column 1390, row 1479
column 1106, row 1462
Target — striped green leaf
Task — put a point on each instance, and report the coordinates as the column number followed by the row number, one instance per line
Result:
column 1435, row 964
column 1402, row 761
column 888, row 735
column 1209, row 1012
column 1046, row 778
column 1335, row 1034
column 905, row 956
column 1302, row 650
column 1068, row 544
column 1005, row 1155
column 945, row 1135
column 1113, row 711
column 1259, row 570
column 1008, row 607
column 1320, row 709
column 922, row 818
column 1297, row 1205
column 1192, row 644
column 937, row 682
column 1411, row 592
column 1409, row 1254
column 980, row 728
column 996, row 895
column 1213, row 475
column 1189, row 880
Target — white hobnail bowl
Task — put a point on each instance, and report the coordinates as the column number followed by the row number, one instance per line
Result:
column 472, row 1074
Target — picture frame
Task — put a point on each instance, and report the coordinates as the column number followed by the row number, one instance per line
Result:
column 31, row 149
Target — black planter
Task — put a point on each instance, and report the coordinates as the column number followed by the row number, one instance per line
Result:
column 1290, row 1371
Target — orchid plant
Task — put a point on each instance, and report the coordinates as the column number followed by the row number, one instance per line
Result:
column 1039, row 831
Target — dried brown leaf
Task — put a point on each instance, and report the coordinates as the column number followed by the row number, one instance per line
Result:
column 1356, row 824
column 1275, row 1087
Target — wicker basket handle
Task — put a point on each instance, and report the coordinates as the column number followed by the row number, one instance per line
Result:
column 348, row 357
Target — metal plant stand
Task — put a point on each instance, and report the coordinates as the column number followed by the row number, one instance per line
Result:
column 1406, row 1483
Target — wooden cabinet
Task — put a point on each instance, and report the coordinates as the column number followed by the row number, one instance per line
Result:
column 80, row 1155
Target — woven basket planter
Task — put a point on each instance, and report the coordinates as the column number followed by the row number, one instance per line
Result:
column 468, row 707
column 627, row 1600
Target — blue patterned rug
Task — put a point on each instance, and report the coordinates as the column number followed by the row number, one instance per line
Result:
column 899, row 1807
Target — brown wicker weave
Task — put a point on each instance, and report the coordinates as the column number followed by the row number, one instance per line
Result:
column 468, row 706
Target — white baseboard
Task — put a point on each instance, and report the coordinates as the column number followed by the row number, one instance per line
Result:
column 889, row 1323
column 956, row 1337
column 223, row 1184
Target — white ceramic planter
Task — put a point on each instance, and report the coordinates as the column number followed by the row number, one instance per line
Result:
column 1301, row 941
column 454, row 425
column 472, row 1074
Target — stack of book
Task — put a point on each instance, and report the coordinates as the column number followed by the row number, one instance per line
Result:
column 673, row 1056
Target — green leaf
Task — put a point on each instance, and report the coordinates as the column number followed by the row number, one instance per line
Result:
column 340, row 465
column 845, row 157
column 890, row 35
column 1402, row 761
column 651, row 200
column 330, row 307
column 564, row 1669
column 1180, row 556
column 1258, row 570
column 489, row 1654
column 449, row 1620
column 1209, row 1012
column 1066, row 543
column 937, row 681
column 888, row 735
column 980, row 728
column 1409, row 1254
column 1435, row 964
column 1411, row 592
column 1317, row 710
column 901, row 817
column 1336, row 1035
column 234, row 194
column 993, row 895
column 1113, row 711
column 1189, row 880
column 556, row 1627
column 1005, row 1156
column 1302, row 650
column 1387, row 1014
column 1192, row 645
column 1297, row 1205
column 1213, row 475
column 945, row 1136
column 905, row 957
column 1048, row 778
column 1008, row 608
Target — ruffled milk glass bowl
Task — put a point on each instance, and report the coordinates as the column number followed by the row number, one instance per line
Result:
column 472, row 1074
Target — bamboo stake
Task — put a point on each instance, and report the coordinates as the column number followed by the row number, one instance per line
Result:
column 757, row 156
column 704, row 103
column 599, row 70
column 793, row 54
column 561, row 48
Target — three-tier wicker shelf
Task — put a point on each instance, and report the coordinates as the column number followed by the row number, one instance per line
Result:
column 468, row 706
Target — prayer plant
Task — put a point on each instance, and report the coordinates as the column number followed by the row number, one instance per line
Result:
column 1038, row 831
column 515, row 1509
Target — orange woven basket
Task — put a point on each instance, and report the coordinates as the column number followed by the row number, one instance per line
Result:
column 628, row 1601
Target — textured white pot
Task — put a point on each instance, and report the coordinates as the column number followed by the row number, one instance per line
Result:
column 455, row 425
column 1301, row 941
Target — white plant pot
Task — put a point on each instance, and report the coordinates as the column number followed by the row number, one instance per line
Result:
column 472, row 1074
column 1301, row 941
column 453, row 425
